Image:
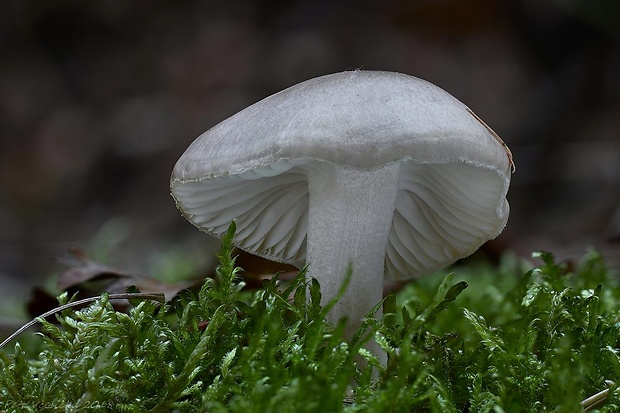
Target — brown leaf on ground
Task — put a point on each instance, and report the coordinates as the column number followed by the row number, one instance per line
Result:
column 82, row 269
column 87, row 278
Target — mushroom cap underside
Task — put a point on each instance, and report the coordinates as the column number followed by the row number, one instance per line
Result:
column 443, row 212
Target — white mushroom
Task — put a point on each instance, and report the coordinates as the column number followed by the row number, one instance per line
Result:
column 379, row 170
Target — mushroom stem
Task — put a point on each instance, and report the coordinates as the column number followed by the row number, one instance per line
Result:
column 349, row 221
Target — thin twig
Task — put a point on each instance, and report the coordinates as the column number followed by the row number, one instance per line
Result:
column 594, row 401
column 497, row 138
column 122, row 296
column 597, row 400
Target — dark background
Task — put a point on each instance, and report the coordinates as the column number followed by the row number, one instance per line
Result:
column 98, row 99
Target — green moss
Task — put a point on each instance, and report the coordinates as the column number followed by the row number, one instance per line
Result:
column 536, row 342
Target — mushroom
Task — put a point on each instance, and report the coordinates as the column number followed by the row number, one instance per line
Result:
column 378, row 170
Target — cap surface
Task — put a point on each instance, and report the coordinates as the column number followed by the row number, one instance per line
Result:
column 253, row 168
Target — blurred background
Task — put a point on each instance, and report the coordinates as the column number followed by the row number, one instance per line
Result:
column 98, row 99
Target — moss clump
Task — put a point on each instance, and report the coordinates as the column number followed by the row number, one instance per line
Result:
column 542, row 341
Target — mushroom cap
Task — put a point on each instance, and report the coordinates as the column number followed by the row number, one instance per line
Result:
column 253, row 167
